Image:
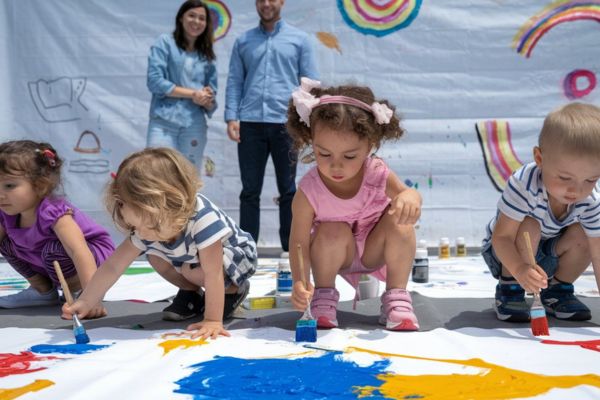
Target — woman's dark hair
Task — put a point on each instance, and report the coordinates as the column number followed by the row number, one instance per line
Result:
column 204, row 42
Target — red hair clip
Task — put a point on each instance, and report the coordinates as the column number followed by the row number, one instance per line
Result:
column 113, row 175
column 50, row 156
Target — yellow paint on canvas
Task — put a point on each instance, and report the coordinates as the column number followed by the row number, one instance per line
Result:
column 329, row 40
column 493, row 382
column 38, row 384
column 169, row 345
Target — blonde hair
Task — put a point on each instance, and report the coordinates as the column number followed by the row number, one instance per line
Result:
column 35, row 161
column 573, row 128
column 158, row 184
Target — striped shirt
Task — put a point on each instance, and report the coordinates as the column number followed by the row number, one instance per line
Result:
column 204, row 228
column 526, row 196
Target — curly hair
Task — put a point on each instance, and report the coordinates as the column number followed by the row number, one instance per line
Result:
column 159, row 184
column 342, row 116
column 35, row 161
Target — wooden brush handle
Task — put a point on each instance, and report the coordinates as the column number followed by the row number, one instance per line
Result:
column 529, row 248
column 63, row 282
column 301, row 265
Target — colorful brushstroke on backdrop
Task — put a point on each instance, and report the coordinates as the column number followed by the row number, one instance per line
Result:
column 556, row 13
column 571, row 84
column 379, row 17
column 498, row 153
column 329, row 40
column 221, row 18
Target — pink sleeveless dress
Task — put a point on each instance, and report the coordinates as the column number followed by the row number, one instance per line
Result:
column 362, row 212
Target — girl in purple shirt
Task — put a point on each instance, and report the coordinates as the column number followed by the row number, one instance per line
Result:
column 37, row 227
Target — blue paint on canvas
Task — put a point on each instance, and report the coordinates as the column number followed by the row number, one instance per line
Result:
column 66, row 348
column 328, row 376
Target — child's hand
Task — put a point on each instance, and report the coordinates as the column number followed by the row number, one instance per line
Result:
column 301, row 296
column 406, row 210
column 80, row 307
column 532, row 279
column 98, row 311
column 207, row 329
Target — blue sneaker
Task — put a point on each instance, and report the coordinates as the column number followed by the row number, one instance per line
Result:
column 560, row 301
column 510, row 304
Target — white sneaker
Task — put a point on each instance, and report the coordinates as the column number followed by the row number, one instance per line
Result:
column 30, row 298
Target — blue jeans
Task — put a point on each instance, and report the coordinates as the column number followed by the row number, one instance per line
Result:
column 546, row 257
column 190, row 141
column 258, row 140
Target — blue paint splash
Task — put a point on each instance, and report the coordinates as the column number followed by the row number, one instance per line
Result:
column 306, row 378
column 66, row 348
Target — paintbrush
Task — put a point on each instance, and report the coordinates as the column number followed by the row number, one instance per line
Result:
column 537, row 313
column 306, row 327
column 81, row 337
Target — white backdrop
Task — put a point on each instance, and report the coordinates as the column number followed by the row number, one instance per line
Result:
column 72, row 70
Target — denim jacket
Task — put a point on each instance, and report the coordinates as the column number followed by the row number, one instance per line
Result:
column 165, row 66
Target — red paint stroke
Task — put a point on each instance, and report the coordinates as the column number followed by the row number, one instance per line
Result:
column 570, row 83
column 586, row 344
column 14, row 364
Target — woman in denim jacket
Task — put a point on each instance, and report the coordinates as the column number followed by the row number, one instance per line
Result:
column 182, row 78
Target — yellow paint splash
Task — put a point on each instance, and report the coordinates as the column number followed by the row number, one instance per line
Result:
column 169, row 345
column 329, row 40
column 38, row 384
column 493, row 382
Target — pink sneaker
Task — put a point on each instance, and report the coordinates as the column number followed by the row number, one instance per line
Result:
column 324, row 307
column 397, row 311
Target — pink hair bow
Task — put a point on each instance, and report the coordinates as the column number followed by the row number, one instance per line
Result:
column 382, row 113
column 304, row 101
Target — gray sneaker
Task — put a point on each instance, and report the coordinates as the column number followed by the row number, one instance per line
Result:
column 30, row 298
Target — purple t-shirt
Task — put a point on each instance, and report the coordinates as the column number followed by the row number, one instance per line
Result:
column 29, row 242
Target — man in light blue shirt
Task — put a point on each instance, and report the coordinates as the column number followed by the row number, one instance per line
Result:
column 266, row 65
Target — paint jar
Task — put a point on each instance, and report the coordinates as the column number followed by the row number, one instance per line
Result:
column 461, row 247
column 420, row 269
column 368, row 287
column 444, row 249
column 284, row 277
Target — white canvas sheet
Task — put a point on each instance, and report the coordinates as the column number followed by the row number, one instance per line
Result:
column 73, row 69
column 476, row 363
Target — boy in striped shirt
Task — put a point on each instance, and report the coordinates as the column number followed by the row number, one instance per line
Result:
column 556, row 199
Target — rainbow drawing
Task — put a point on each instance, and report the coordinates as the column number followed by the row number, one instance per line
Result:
column 556, row 13
column 379, row 17
column 499, row 156
column 221, row 18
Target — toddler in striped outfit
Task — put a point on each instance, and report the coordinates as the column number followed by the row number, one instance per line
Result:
column 557, row 200
column 190, row 241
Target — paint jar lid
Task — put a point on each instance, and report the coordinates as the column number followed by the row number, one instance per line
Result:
column 284, row 265
column 460, row 240
column 421, row 254
column 444, row 241
column 422, row 244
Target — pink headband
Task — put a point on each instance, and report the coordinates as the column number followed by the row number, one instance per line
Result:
column 305, row 102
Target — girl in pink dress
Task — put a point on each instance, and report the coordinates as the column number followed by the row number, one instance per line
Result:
column 351, row 214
